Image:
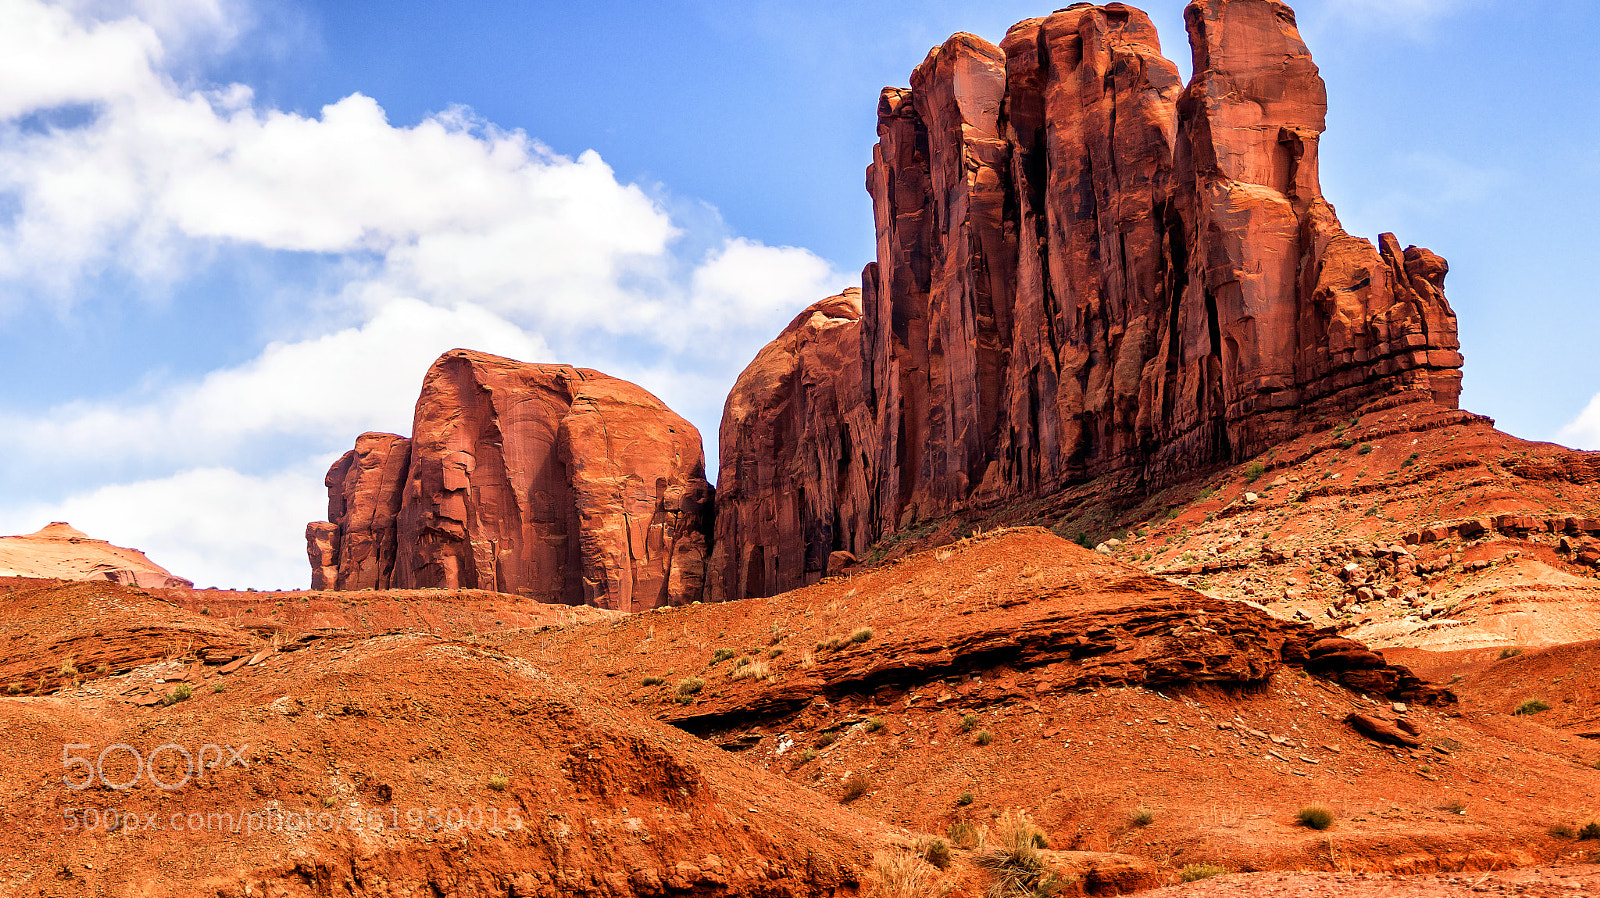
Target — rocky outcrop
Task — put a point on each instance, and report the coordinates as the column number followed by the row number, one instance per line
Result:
column 559, row 483
column 63, row 552
column 797, row 415
column 1085, row 268
column 354, row 548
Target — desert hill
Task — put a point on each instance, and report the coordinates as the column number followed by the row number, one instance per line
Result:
column 60, row 550
column 1144, row 727
column 368, row 765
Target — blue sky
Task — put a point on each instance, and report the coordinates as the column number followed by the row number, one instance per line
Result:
column 233, row 234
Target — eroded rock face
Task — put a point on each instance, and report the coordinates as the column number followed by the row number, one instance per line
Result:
column 354, row 548
column 796, row 415
column 555, row 482
column 1086, row 268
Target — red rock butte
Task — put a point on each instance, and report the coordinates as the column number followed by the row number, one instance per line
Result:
column 559, row 483
column 1084, row 269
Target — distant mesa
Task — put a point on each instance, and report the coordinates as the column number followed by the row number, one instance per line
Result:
column 558, row 483
column 63, row 552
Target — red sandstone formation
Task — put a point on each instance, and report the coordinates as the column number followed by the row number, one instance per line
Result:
column 549, row 481
column 1085, row 268
column 63, row 552
column 796, row 415
column 354, row 548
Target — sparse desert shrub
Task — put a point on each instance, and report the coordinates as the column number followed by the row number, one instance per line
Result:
column 1012, row 857
column 774, row 652
column 962, row 834
column 1562, row 831
column 1253, row 471
column 1366, row 448
column 1410, row 460
column 1590, row 830
column 855, row 786
column 984, row 737
column 1197, row 872
column 968, row 721
column 103, row 669
column 1510, row 652
column 329, row 801
column 741, row 662
column 690, row 686
column 1141, row 816
column 219, row 687
column 809, row 754
column 1082, row 539
column 861, row 635
column 1531, row 706
column 1314, row 816
column 965, row 799
column 935, row 851
column 905, row 874
column 874, row 724
column 182, row 693
column 652, row 681
column 499, row 782
column 721, row 655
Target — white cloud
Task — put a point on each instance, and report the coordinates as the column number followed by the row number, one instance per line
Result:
column 1583, row 432
column 327, row 388
column 211, row 525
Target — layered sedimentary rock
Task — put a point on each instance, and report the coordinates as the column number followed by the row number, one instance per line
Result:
column 795, row 441
column 1086, row 268
column 63, row 552
column 555, row 482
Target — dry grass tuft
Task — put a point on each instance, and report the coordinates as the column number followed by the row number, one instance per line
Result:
column 903, row 874
column 1012, row 854
column 755, row 670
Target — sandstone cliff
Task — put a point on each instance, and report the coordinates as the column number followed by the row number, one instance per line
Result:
column 796, row 439
column 1084, row 268
column 555, row 482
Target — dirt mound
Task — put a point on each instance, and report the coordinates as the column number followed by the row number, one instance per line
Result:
column 1127, row 714
column 1557, row 687
column 396, row 764
column 62, row 551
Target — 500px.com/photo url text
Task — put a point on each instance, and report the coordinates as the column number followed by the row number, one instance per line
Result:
column 281, row 820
